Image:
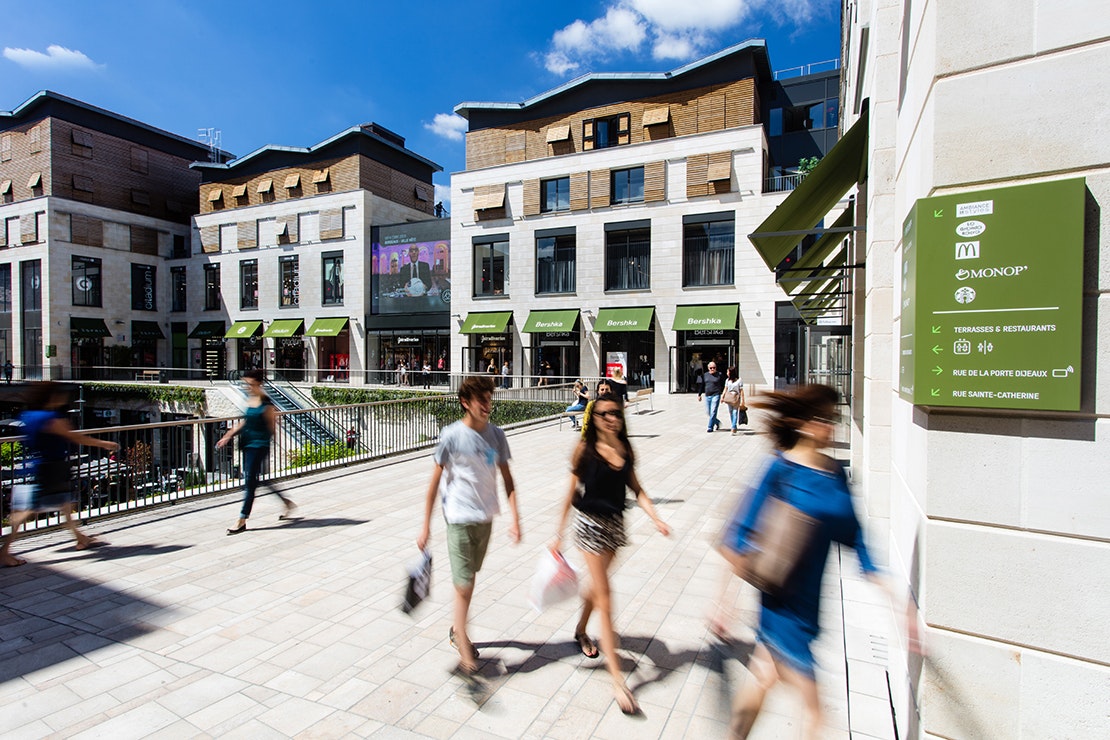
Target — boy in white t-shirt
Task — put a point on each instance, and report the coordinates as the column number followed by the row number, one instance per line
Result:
column 469, row 455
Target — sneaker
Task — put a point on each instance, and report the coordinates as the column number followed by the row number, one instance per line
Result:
column 710, row 430
column 733, row 432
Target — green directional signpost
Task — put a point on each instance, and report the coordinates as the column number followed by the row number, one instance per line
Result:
column 992, row 288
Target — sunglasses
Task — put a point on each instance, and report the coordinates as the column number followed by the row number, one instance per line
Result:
column 609, row 414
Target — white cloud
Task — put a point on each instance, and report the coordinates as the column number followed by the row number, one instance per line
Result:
column 443, row 195
column 55, row 58
column 703, row 15
column 676, row 45
column 448, row 125
column 620, row 29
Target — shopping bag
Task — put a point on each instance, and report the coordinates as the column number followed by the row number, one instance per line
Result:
column 419, row 583
column 23, row 497
column 782, row 536
column 555, row 581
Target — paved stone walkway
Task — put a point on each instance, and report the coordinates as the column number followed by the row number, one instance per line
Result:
column 292, row 629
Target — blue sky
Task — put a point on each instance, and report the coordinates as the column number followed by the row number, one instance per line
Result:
column 273, row 73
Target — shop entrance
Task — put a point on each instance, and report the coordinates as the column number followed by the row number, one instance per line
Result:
column 628, row 346
column 828, row 358
column 562, row 355
column 493, row 349
column 689, row 362
column 289, row 357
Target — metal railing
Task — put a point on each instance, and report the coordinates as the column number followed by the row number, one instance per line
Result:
column 782, row 183
column 807, row 69
column 171, row 461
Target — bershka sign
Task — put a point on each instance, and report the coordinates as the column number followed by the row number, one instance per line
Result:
column 995, row 322
column 704, row 322
column 621, row 322
column 549, row 324
column 142, row 288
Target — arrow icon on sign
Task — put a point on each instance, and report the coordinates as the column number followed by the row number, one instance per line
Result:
column 936, row 349
column 937, row 370
column 938, row 212
column 935, row 392
column 936, row 330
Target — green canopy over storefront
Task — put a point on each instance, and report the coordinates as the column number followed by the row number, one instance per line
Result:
column 546, row 322
column 207, row 330
column 243, row 329
column 327, row 327
column 692, row 318
column 624, row 319
column 285, row 328
column 79, row 327
column 146, row 330
column 493, row 322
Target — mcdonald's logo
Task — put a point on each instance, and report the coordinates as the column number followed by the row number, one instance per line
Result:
column 967, row 250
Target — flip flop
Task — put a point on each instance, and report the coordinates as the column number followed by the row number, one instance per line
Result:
column 15, row 563
column 586, row 645
column 89, row 543
column 451, row 637
column 628, row 705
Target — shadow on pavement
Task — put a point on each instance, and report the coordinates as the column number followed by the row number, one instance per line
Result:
column 107, row 551
column 307, row 523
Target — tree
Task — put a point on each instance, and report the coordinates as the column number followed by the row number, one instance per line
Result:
column 807, row 165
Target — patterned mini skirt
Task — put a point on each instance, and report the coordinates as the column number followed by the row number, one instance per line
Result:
column 598, row 533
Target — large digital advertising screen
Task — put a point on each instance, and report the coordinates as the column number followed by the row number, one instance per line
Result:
column 411, row 268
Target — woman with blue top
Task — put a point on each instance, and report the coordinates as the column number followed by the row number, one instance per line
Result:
column 801, row 425
column 255, row 431
column 47, row 436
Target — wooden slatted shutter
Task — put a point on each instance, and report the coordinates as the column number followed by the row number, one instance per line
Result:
column 624, row 128
column 248, row 235
column 655, row 182
column 697, row 170
column 531, row 197
column 210, row 239
column 579, row 191
column 587, row 135
column 600, row 188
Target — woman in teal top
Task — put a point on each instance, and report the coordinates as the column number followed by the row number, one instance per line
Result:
column 255, row 432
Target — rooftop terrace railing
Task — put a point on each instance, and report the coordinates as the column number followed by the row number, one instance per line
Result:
column 172, row 461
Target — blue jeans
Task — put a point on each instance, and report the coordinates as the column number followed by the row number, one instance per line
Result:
column 253, row 457
column 712, row 403
column 734, row 416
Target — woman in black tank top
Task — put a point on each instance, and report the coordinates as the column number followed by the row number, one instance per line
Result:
column 601, row 473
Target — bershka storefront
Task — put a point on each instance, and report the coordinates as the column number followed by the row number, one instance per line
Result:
column 627, row 335
column 556, row 344
column 705, row 333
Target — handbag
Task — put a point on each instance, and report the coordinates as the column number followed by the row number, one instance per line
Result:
column 782, row 536
column 419, row 582
column 731, row 398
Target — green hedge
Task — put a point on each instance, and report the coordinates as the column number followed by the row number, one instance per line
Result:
column 444, row 407
column 311, row 454
column 168, row 394
column 327, row 396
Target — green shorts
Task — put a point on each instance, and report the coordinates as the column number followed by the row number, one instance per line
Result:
column 466, row 549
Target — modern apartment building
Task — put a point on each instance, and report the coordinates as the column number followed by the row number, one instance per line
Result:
column 287, row 265
column 603, row 224
column 92, row 206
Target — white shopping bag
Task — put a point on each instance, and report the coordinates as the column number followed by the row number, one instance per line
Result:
column 555, row 581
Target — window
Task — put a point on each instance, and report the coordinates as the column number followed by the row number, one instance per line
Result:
column 139, row 161
column 31, row 279
column 248, row 284
column 86, row 281
column 290, row 280
column 180, row 246
column 144, row 294
column 601, row 133
column 627, row 186
column 6, row 288
column 178, row 293
column 211, row 287
column 491, row 267
column 708, row 249
column 11, row 230
column 555, row 195
column 811, row 116
column 627, row 257
column 555, row 262
column 5, row 147
column 332, row 289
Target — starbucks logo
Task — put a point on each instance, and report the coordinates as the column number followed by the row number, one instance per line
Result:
column 965, row 294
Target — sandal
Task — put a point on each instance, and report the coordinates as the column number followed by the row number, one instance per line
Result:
column 586, row 645
column 451, row 637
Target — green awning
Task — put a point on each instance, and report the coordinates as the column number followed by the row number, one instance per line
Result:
column 546, row 322
column 243, row 330
column 797, row 278
column 207, row 330
column 327, row 327
column 285, row 328
column 692, row 318
column 493, row 322
column 79, row 327
column 624, row 319
column 146, row 330
column 833, row 267
column 815, row 196
column 824, row 296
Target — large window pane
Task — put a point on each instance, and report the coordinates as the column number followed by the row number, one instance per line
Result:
column 211, row 287
column 628, row 259
column 290, row 280
column 491, row 268
column 555, row 195
column 332, row 289
column 708, row 253
column 86, row 281
column 555, row 264
column 248, row 284
column 628, row 185
column 179, row 294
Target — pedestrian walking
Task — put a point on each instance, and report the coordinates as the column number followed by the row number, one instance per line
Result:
column 426, row 375
column 468, row 458
column 733, row 397
column 47, row 435
column 804, row 477
column 505, row 382
column 602, row 472
column 9, row 369
column 255, row 431
column 712, row 383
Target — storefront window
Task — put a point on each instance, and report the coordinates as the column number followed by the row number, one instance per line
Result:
column 491, row 268
column 86, row 281
column 708, row 248
column 332, row 289
column 628, row 259
column 290, row 281
column 248, row 284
